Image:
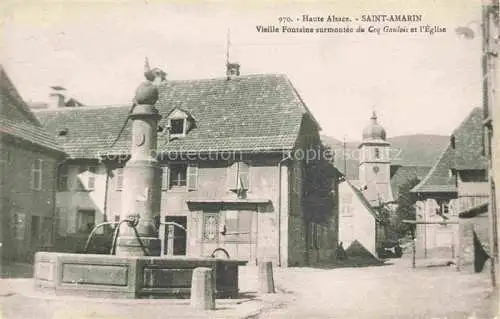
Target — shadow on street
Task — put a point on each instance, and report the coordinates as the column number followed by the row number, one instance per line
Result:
column 16, row 270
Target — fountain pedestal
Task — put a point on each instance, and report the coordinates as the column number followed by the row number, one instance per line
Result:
column 137, row 270
column 140, row 195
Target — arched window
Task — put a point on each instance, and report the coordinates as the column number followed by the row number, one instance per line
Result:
column 377, row 153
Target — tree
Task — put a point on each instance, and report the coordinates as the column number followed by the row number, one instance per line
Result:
column 405, row 209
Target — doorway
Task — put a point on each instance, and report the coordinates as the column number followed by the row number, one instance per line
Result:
column 176, row 237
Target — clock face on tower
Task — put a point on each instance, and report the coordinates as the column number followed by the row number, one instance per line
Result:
column 376, row 169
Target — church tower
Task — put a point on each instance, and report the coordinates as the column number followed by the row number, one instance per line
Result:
column 375, row 163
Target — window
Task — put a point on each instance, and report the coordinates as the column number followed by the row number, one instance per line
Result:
column 62, row 178
column 165, row 178
column 119, row 179
column 377, row 153
column 192, row 176
column 238, row 225
column 210, row 226
column 238, row 176
column 445, row 208
column 346, row 205
column 91, row 178
column 85, row 221
column 19, row 225
column 86, row 177
column 178, row 174
column 177, row 127
column 297, row 178
column 36, row 175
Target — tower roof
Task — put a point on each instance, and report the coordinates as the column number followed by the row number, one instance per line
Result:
column 374, row 131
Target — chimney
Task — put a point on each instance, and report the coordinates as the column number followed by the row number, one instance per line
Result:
column 57, row 97
column 232, row 70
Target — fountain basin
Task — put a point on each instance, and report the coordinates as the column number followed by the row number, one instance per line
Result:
column 111, row 276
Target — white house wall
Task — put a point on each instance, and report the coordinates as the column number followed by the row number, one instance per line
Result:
column 359, row 226
column 72, row 200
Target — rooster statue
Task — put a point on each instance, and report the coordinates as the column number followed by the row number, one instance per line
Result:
column 146, row 93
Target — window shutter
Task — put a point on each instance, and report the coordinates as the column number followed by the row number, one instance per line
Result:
column 192, row 176
column 232, row 176
column 91, row 178
column 243, row 175
column 36, row 175
column 119, row 179
column 165, row 178
column 79, row 179
column 33, row 173
column 62, row 178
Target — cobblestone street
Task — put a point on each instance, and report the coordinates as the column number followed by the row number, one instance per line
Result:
column 390, row 291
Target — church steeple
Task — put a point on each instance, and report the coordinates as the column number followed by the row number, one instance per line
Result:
column 374, row 131
column 375, row 162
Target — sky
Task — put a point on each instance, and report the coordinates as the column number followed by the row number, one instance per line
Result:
column 418, row 83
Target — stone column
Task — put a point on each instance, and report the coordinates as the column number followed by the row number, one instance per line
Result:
column 141, row 191
column 202, row 289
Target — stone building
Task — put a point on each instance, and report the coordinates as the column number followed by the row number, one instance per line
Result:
column 360, row 226
column 236, row 174
column 28, row 159
column 362, row 200
column 456, row 184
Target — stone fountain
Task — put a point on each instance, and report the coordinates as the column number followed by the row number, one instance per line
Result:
column 134, row 269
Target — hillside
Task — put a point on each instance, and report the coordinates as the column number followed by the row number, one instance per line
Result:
column 407, row 150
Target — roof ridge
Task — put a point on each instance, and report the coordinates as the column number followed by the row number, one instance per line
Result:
column 81, row 108
column 363, row 200
column 305, row 109
column 12, row 91
column 253, row 75
column 467, row 119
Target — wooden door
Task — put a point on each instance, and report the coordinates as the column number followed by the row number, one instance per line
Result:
column 238, row 236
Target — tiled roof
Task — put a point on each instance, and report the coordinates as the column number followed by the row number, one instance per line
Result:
column 404, row 174
column 28, row 132
column 465, row 154
column 247, row 113
column 12, row 103
column 469, row 143
column 438, row 180
column 16, row 119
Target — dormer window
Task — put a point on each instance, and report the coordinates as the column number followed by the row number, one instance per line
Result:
column 179, row 123
column 177, row 127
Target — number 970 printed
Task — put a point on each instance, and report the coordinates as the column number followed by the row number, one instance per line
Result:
column 284, row 19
